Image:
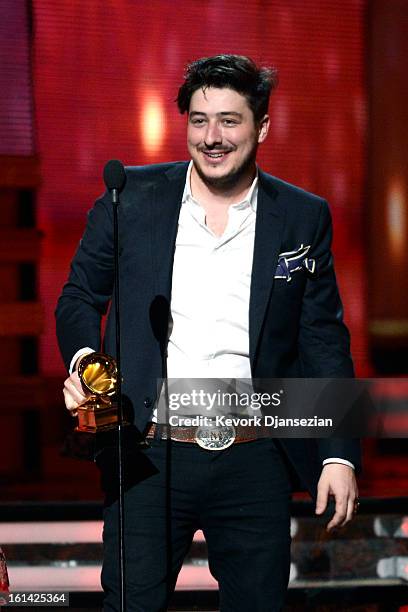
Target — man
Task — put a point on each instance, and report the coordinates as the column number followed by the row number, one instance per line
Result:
column 200, row 245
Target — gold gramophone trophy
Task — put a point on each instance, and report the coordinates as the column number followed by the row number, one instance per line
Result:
column 98, row 415
column 99, row 375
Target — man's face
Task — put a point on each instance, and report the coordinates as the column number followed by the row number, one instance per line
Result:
column 222, row 136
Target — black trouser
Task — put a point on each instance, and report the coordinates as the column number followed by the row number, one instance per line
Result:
column 239, row 497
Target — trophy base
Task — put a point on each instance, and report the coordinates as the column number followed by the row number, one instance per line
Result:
column 86, row 445
column 97, row 416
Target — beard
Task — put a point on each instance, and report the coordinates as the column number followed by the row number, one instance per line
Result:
column 228, row 181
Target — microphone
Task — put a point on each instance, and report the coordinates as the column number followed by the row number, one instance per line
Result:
column 114, row 176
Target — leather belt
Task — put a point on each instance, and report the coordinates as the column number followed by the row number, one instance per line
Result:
column 210, row 438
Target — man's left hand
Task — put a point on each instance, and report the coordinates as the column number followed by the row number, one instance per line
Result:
column 339, row 481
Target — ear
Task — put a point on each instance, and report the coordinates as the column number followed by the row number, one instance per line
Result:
column 263, row 128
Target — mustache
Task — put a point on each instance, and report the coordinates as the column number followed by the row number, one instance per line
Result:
column 215, row 149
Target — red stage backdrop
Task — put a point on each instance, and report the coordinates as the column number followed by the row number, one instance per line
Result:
column 106, row 75
column 16, row 134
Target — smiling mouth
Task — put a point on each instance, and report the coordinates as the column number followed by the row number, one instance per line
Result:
column 215, row 154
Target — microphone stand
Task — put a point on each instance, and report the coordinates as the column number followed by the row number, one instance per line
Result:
column 121, row 507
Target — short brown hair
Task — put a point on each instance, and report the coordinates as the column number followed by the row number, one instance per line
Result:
column 236, row 72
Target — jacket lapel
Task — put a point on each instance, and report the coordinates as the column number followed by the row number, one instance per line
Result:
column 165, row 214
column 270, row 220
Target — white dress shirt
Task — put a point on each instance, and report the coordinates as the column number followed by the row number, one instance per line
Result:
column 210, row 292
column 209, row 335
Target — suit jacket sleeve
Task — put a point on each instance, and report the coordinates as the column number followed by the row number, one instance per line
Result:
column 86, row 295
column 324, row 341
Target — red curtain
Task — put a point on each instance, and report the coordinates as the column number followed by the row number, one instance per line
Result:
column 16, row 117
column 106, row 75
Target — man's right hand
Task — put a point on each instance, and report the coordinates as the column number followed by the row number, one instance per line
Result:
column 74, row 394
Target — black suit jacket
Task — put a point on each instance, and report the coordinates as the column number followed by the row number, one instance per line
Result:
column 296, row 328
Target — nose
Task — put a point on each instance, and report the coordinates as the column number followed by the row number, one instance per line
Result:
column 213, row 134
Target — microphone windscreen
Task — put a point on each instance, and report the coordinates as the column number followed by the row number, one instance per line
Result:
column 114, row 175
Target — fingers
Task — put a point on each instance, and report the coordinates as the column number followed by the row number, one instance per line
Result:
column 352, row 506
column 322, row 496
column 346, row 508
column 74, row 394
column 339, row 517
column 350, row 511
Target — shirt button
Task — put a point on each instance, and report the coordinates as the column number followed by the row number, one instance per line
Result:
column 147, row 402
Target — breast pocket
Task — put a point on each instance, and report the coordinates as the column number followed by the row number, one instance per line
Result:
column 289, row 290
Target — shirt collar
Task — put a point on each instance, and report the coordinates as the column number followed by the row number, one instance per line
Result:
column 250, row 199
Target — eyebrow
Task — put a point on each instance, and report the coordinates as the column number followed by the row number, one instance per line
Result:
column 222, row 114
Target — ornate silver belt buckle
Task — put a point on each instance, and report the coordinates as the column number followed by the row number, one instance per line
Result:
column 215, row 438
